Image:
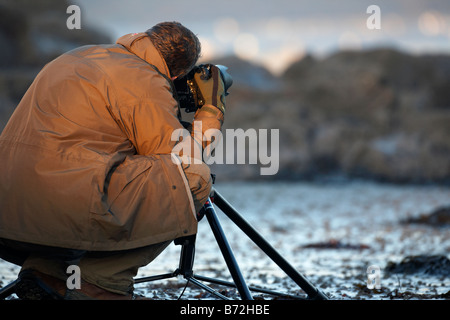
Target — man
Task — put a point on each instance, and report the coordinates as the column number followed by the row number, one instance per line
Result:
column 87, row 174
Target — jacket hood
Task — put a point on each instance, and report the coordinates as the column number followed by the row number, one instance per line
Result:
column 141, row 45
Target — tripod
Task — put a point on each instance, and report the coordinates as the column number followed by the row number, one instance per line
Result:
column 186, row 263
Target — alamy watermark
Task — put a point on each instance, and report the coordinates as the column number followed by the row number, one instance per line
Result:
column 74, row 20
column 74, row 280
column 374, row 20
column 373, row 277
column 236, row 146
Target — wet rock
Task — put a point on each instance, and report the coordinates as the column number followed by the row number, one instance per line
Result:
column 421, row 264
column 336, row 244
column 438, row 218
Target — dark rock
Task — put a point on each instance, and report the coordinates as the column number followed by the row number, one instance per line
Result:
column 379, row 114
column 438, row 218
column 421, row 264
column 336, row 244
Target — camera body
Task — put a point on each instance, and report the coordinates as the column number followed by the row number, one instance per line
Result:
column 187, row 91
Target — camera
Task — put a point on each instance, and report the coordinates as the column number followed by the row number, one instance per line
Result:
column 187, row 91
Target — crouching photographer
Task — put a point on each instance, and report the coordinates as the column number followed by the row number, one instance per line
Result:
column 88, row 176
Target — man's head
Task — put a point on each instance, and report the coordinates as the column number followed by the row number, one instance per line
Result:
column 178, row 45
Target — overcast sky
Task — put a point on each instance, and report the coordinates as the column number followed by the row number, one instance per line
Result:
column 277, row 32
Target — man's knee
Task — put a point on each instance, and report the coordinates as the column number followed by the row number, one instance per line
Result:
column 200, row 182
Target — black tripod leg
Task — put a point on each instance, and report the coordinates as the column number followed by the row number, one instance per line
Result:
column 8, row 290
column 187, row 255
column 310, row 290
column 227, row 252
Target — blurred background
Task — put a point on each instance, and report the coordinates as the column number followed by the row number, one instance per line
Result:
column 350, row 102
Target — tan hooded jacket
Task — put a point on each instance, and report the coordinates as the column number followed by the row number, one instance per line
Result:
column 86, row 157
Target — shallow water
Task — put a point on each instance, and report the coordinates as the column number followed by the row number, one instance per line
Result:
column 331, row 233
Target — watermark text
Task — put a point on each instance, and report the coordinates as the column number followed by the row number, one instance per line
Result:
column 74, row 20
column 236, row 146
column 374, row 20
column 373, row 277
column 74, row 280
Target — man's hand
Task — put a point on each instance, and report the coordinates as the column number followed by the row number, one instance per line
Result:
column 211, row 87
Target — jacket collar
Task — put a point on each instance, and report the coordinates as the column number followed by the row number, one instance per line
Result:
column 141, row 45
